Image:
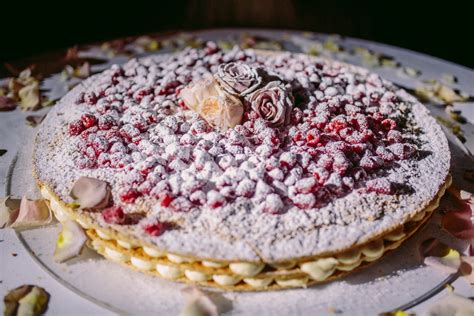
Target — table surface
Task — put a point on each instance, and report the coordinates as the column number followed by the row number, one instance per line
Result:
column 23, row 261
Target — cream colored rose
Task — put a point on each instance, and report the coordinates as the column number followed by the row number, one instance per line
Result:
column 219, row 108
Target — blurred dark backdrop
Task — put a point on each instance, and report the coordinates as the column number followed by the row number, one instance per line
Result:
column 441, row 28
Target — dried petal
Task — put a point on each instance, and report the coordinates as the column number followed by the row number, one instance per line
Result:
column 26, row 300
column 9, row 209
column 440, row 256
column 91, row 193
column 34, row 120
column 451, row 305
column 467, row 268
column 83, row 71
column 32, row 213
column 238, row 78
column 198, row 304
column 29, row 96
column 70, row 241
column 459, row 222
column 273, row 103
column 7, row 104
column 2, row 152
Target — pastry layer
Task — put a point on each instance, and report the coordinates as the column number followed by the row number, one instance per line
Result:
column 241, row 276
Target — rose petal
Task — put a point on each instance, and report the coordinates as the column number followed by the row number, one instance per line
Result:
column 26, row 300
column 70, row 241
column 459, row 222
column 198, row 304
column 83, row 71
column 32, row 213
column 451, row 305
column 467, row 268
column 439, row 256
column 34, row 120
column 9, row 209
column 29, row 96
column 91, row 193
column 7, row 104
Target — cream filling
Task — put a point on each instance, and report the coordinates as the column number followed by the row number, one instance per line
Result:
column 246, row 269
column 321, row 269
column 418, row 217
column 124, row 244
column 103, row 235
column 141, row 264
column 373, row 250
column 213, row 264
column 225, row 279
column 152, row 252
column 395, row 235
column 292, row 282
column 168, row 272
column 197, row 276
column 349, row 257
column 283, row 265
column 116, row 255
column 83, row 223
column 58, row 211
column 261, row 282
column 349, row 267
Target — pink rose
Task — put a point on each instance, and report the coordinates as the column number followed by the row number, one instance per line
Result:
column 238, row 78
column 273, row 103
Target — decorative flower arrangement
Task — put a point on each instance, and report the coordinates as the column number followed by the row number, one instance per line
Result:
column 220, row 100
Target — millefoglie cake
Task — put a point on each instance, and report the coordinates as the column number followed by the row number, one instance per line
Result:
column 242, row 169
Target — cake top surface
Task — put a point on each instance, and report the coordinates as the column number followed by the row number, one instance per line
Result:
column 245, row 155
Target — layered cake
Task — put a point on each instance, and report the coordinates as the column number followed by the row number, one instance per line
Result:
column 242, row 169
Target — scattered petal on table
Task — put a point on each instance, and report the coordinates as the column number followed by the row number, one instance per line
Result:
column 459, row 222
column 30, row 96
column 9, row 209
column 70, row 241
column 7, row 103
column 26, row 300
column 198, row 304
column 34, row 120
column 440, row 256
column 467, row 268
column 2, row 152
column 32, row 213
column 451, row 305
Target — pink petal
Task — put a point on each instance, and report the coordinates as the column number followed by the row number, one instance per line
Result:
column 7, row 104
column 198, row 303
column 70, row 241
column 451, row 304
column 91, row 193
column 9, row 209
column 467, row 268
column 459, row 223
column 32, row 213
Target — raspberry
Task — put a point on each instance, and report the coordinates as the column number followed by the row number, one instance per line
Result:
column 245, row 188
column 181, row 204
column 287, row 159
column 305, row 185
column 215, row 199
column 273, row 204
column 394, row 136
column 106, row 122
column 76, row 127
column 198, row 197
column 157, row 228
column 312, row 138
column 388, row 124
column 296, row 116
column 114, row 215
column 320, row 174
column 100, row 144
column 130, row 196
column 382, row 186
column 402, row 151
column 304, row 201
column 385, row 154
column 103, row 160
column 298, row 136
column 369, row 162
column 90, row 98
column 165, row 198
column 88, row 120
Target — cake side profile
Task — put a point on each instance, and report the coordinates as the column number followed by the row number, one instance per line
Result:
column 244, row 169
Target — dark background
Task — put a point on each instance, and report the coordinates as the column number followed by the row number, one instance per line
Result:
column 440, row 28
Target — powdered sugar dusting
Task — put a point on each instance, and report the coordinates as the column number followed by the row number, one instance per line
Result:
column 322, row 183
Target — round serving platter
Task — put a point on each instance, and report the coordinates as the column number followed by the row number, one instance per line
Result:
column 398, row 281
